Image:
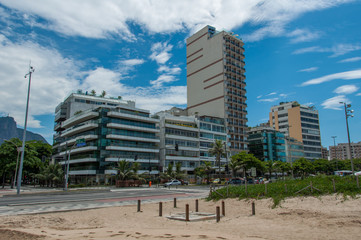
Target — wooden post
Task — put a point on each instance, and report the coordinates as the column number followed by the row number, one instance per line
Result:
column 265, row 188
column 333, row 184
column 358, row 183
column 286, row 188
column 175, row 202
column 245, row 185
column 138, row 206
column 223, row 209
column 311, row 187
column 218, row 216
column 187, row 212
column 253, row 208
column 196, row 205
column 160, row 209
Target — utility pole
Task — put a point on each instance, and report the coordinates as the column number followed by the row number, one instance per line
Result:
column 31, row 70
column 348, row 113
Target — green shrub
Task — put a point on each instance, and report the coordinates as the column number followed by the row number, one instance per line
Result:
column 322, row 185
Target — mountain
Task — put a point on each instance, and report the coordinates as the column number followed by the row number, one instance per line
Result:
column 9, row 130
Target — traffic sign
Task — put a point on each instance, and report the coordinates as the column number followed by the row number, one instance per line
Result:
column 80, row 142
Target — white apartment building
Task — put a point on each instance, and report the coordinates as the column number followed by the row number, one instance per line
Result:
column 113, row 130
column 187, row 139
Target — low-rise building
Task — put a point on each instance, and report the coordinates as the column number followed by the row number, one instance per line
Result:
column 267, row 144
column 110, row 130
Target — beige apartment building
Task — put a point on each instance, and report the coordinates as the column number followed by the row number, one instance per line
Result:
column 342, row 152
column 216, row 81
column 299, row 122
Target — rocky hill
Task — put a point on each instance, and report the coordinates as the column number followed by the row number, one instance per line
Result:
column 9, row 130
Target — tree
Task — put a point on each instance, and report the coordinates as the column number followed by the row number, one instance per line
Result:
column 35, row 151
column 270, row 166
column 322, row 166
column 283, row 167
column 103, row 93
column 207, row 168
column 124, row 170
column 93, row 92
column 246, row 161
column 217, row 150
column 303, row 166
column 234, row 166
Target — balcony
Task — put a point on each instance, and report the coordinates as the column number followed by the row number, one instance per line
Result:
column 82, row 117
column 132, row 138
column 132, row 117
column 133, row 149
column 131, row 127
column 78, row 129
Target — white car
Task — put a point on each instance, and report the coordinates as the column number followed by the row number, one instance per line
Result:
column 172, row 182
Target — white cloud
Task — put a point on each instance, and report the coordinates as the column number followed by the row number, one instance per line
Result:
column 303, row 35
column 132, row 62
column 268, row 99
column 358, row 94
column 355, row 74
column 346, row 89
column 354, row 59
column 334, row 103
column 272, row 93
column 111, row 18
column 311, row 69
column 337, row 50
column 168, row 70
column 55, row 77
column 160, row 52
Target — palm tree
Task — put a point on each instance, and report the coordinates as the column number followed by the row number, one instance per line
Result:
column 103, row 93
column 234, row 166
column 207, row 168
column 217, row 150
column 124, row 170
column 93, row 92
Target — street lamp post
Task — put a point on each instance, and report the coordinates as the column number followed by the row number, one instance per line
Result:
column 348, row 113
column 289, row 150
column 334, row 148
column 18, row 149
column 67, row 168
column 31, row 70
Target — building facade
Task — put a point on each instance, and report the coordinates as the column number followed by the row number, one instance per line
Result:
column 187, row 139
column 113, row 130
column 299, row 122
column 266, row 144
column 216, row 81
column 342, row 152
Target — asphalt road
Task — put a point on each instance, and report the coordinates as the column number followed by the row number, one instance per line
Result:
column 32, row 203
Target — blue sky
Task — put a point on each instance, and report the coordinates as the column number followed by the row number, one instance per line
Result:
column 308, row 51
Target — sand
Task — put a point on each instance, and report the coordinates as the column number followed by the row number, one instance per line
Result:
column 329, row 217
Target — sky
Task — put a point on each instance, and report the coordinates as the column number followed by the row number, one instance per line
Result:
column 296, row 50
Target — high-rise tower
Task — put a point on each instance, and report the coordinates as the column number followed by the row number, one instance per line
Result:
column 216, row 81
column 300, row 122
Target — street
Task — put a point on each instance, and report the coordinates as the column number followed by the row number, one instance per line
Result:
column 41, row 202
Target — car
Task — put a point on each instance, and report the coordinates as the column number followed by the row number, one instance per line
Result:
column 184, row 182
column 216, row 181
column 236, row 181
column 172, row 182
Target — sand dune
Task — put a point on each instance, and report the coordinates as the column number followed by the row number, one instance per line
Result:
column 329, row 217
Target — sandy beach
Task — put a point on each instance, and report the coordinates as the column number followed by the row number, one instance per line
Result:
column 329, row 217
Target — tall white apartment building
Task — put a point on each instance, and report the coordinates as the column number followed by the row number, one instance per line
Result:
column 216, row 81
column 299, row 122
